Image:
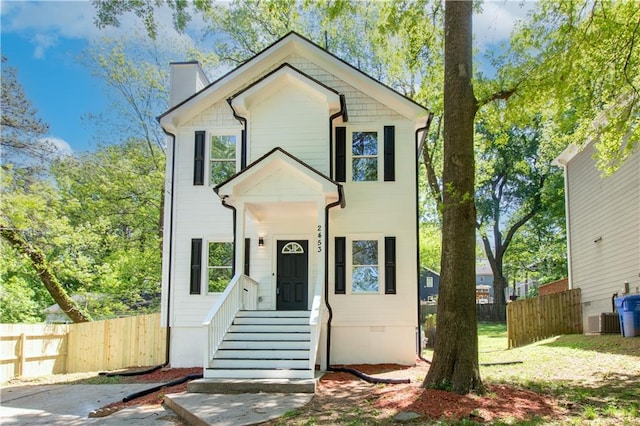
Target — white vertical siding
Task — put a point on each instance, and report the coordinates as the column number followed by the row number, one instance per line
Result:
column 379, row 209
column 368, row 328
column 198, row 213
column 604, row 227
column 295, row 122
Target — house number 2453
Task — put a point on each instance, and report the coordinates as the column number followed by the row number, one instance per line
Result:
column 319, row 238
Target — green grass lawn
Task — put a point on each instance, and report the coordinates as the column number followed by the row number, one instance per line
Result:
column 596, row 377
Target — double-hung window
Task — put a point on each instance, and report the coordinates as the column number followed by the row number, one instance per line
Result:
column 222, row 158
column 365, row 271
column 367, row 264
column 220, row 266
column 364, row 156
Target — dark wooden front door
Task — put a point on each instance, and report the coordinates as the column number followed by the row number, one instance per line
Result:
column 293, row 275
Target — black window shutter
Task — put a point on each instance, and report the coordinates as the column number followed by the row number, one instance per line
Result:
column 390, row 265
column 341, row 267
column 196, row 266
column 341, row 154
column 243, row 153
column 247, row 253
column 389, row 153
column 198, row 159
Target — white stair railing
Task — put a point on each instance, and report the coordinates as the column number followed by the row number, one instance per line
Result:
column 241, row 293
column 315, row 323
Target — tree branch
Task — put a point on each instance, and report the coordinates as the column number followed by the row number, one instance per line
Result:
column 50, row 281
column 500, row 95
column 534, row 209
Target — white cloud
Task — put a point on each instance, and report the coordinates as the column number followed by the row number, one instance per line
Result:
column 45, row 23
column 43, row 42
column 61, row 146
column 497, row 20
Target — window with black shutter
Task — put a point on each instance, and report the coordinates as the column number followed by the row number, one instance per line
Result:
column 341, row 154
column 198, row 158
column 389, row 153
column 196, row 266
column 390, row 265
column 340, row 265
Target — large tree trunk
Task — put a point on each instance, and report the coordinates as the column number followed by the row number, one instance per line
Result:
column 40, row 264
column 455, row 360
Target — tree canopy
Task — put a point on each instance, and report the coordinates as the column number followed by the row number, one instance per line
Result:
column 22, row 130
column 567, row 75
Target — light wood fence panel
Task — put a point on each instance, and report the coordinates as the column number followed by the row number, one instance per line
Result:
column 117, row 343
column 535, row 319
column 32, row 350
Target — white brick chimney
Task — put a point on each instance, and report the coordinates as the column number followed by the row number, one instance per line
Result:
column 187, row 78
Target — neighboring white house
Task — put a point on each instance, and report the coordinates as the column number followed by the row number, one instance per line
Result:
column 290, row 220
column 603, row 228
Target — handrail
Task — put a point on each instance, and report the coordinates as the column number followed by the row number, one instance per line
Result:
column 315, row 325
column 241, row 293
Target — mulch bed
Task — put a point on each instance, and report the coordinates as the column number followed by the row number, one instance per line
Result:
column 339, row 392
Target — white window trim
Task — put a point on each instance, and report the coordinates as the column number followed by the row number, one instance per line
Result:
column 380, row 157
column 223, row 131
column 349, row 263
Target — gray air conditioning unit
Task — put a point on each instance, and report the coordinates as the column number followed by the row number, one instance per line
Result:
column 605, row 323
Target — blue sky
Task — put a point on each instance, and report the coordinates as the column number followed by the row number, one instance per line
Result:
column 43, row 40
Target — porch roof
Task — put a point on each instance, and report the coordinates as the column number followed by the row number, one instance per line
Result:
column 276, row 178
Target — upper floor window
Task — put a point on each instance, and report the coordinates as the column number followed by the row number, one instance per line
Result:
column 222, row 158
column 220, row 266
column 364, row 156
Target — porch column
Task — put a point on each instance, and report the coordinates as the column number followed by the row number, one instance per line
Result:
column 319, row 243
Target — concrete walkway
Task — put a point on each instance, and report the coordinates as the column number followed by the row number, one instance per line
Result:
column 70, row 405
column 233, row 409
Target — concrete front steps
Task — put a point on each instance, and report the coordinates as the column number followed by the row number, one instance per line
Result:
column 263, row 345
column 236, row 386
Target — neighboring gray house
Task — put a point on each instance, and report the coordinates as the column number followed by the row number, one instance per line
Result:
column 429, row 285
column 603, row 228
column 484, row 276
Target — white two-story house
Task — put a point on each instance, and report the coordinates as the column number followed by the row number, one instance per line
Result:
column 290, row 218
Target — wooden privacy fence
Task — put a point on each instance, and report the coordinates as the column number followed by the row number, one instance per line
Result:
column 484, row 313
column 32, row 350
column 535, row 319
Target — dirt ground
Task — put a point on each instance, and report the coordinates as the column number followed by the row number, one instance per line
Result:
column 343, row 398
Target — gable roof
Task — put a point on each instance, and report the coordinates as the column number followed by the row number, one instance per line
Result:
column 284, row 75
column 277, row 52
column 329, row 187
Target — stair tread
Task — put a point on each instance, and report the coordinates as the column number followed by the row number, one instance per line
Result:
column 257, row 368
column 264, row 344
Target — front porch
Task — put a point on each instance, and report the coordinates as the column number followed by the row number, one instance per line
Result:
column 246, row 343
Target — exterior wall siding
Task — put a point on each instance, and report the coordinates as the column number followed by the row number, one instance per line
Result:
column 294, row 122
column 366, row 327
column 604, row 228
